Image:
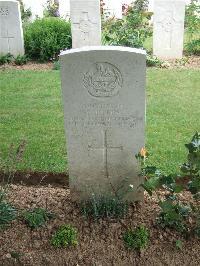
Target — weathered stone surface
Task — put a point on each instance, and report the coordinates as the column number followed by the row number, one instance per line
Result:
column 11, row 34
column 85, row 22
column 168, row 31
column 104, row 108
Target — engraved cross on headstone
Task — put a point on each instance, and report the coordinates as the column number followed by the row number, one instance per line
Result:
column 168, row 24
column 4, row 33
column 85, row 25
column 105, row 150
column 6, row 36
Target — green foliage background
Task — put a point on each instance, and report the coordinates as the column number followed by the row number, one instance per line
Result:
column 45, row 38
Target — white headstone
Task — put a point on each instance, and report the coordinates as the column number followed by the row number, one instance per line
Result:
column 168, row 30
column 11, row 33
column 85, row 22
column 104, row 109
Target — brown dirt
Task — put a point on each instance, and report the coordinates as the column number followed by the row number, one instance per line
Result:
column 35, row 178
column 100, row 243
column 28, row 66
column 186, row 62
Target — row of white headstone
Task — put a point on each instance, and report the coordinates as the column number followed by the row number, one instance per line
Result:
column 111, row 7
column 168, row 29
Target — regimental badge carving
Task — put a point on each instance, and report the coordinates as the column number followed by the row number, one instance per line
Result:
column 4, row 11
column 103, row 80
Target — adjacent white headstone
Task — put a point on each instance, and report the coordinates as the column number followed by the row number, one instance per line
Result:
column 168, row 31
column 85, row 22
column 104, row 109
column 11, row 33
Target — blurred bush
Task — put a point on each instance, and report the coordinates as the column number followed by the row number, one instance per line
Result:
column 45, row 38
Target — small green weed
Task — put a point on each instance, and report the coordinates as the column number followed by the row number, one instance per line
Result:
column 136, row 239
column 182, row 62
column 21, row 60
column 36, row 217
column 153, row 61
column 192, row 166
column 56, row 65
column 65, row 236
column 6, row 59
column 179, row 244
column 16, row 255
column 9, row 164
column 7, row 212
column 104, row 207
column 197, row 226
column 193, row 47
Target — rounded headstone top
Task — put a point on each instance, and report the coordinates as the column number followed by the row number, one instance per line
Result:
column 104, row 48
column 9, row 2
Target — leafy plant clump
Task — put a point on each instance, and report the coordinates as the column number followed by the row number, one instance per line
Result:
column 56, row 65
column 65, row 236
column 173, row 213
column 25, row 13
column 18, row 60
column 192, row 166
column 6, row 59
column 179, row 244
column 132, row 30
column 136, row 239
column 153, row 61
column 193, row 47
column 197, row 228
column 104, row 207
column 192, row 25
column 7, row 212
column 21, row 60
column 36, row 217
column 45, row 38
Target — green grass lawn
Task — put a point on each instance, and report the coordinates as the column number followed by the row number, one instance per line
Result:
column 31, row 109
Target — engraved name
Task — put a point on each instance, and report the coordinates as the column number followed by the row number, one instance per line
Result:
column 104, row 115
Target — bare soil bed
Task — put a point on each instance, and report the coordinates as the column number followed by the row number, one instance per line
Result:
column 186, row 62
column 29, row 66
column 100, row 242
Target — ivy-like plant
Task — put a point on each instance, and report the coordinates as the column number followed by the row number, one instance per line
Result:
column 192, row 166
column 173, row 213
